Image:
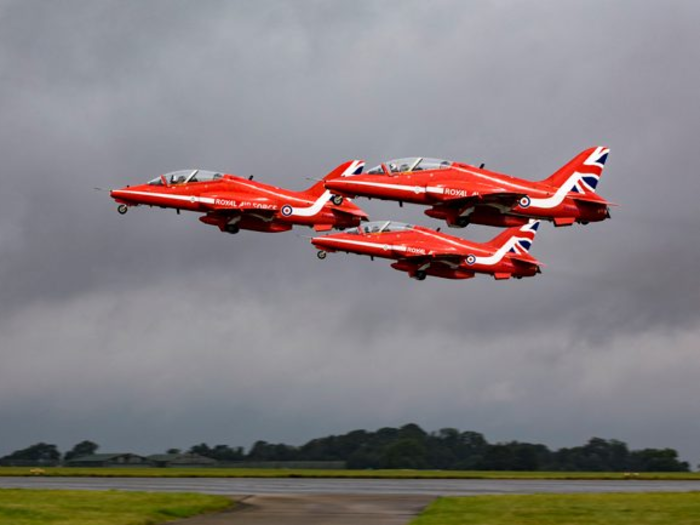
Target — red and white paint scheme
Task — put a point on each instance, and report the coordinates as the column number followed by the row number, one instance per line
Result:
column 421, row 251
column 462, row 194
column 233, row 203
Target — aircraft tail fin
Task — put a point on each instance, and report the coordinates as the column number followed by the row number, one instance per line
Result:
column 582, row 173
column 518, row 239
column 346, row 169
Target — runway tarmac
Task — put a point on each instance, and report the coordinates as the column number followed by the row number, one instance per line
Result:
column 336, row 501
column 296, row 486
column 318, row 510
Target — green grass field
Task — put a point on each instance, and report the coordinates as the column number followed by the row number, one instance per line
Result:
column 59, row 507
column 569, row 509
column 65, row 507
column 357, row 474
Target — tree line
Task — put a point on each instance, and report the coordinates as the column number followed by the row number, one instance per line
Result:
column 411, row 447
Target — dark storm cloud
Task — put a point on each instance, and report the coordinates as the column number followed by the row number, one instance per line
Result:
column 186, row 332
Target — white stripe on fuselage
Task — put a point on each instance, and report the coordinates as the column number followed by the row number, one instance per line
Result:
column 545, row 202
column 188, row 198
column 405, row 187
column 413, row 189
column 501, row 252
column 316, row 207
column 489, row 260
column 556, row 199
column 397, row 247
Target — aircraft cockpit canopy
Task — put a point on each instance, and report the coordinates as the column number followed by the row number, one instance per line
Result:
column 410, row 164
column 380, row 227
column 186, row 176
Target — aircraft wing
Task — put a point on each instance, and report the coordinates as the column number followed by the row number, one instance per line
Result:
column 505, row 199
column 448, row 258
column 353, row 212
column 233, row 204
column 445, row 264
column 341, row 213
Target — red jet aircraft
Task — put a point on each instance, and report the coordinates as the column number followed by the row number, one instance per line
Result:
column 233, row 203
column 421, row 251
column 461, row 194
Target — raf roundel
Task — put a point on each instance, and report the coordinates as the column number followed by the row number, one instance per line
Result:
column 471, row 259
column 286, row 210
column 524, row 201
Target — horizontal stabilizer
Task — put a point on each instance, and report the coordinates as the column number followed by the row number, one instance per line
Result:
column 525, row 258
column 593, row 198
column 349, row 211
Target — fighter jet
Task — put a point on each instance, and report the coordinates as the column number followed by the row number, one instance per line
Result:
column 233, row 203
column 461, row 194
column 421, row 251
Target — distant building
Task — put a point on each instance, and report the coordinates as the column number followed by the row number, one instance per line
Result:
column 181, row 460
column 109, row 460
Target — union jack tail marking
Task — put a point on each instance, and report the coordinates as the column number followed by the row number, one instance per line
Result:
column 582, row 173
column 518, row 239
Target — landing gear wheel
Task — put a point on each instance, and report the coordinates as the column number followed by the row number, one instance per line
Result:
column 232, row 229
column 321, row 254
column 337, row 200
column 122, row 209
column 421, row 275
column 462, row 222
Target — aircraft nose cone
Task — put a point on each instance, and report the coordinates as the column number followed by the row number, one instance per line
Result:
column 319, row 242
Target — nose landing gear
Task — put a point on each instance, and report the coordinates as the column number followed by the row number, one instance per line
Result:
column 122, row 209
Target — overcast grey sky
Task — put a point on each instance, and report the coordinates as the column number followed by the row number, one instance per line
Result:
column 152, row 330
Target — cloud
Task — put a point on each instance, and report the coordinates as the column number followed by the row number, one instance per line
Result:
column 158, row 322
